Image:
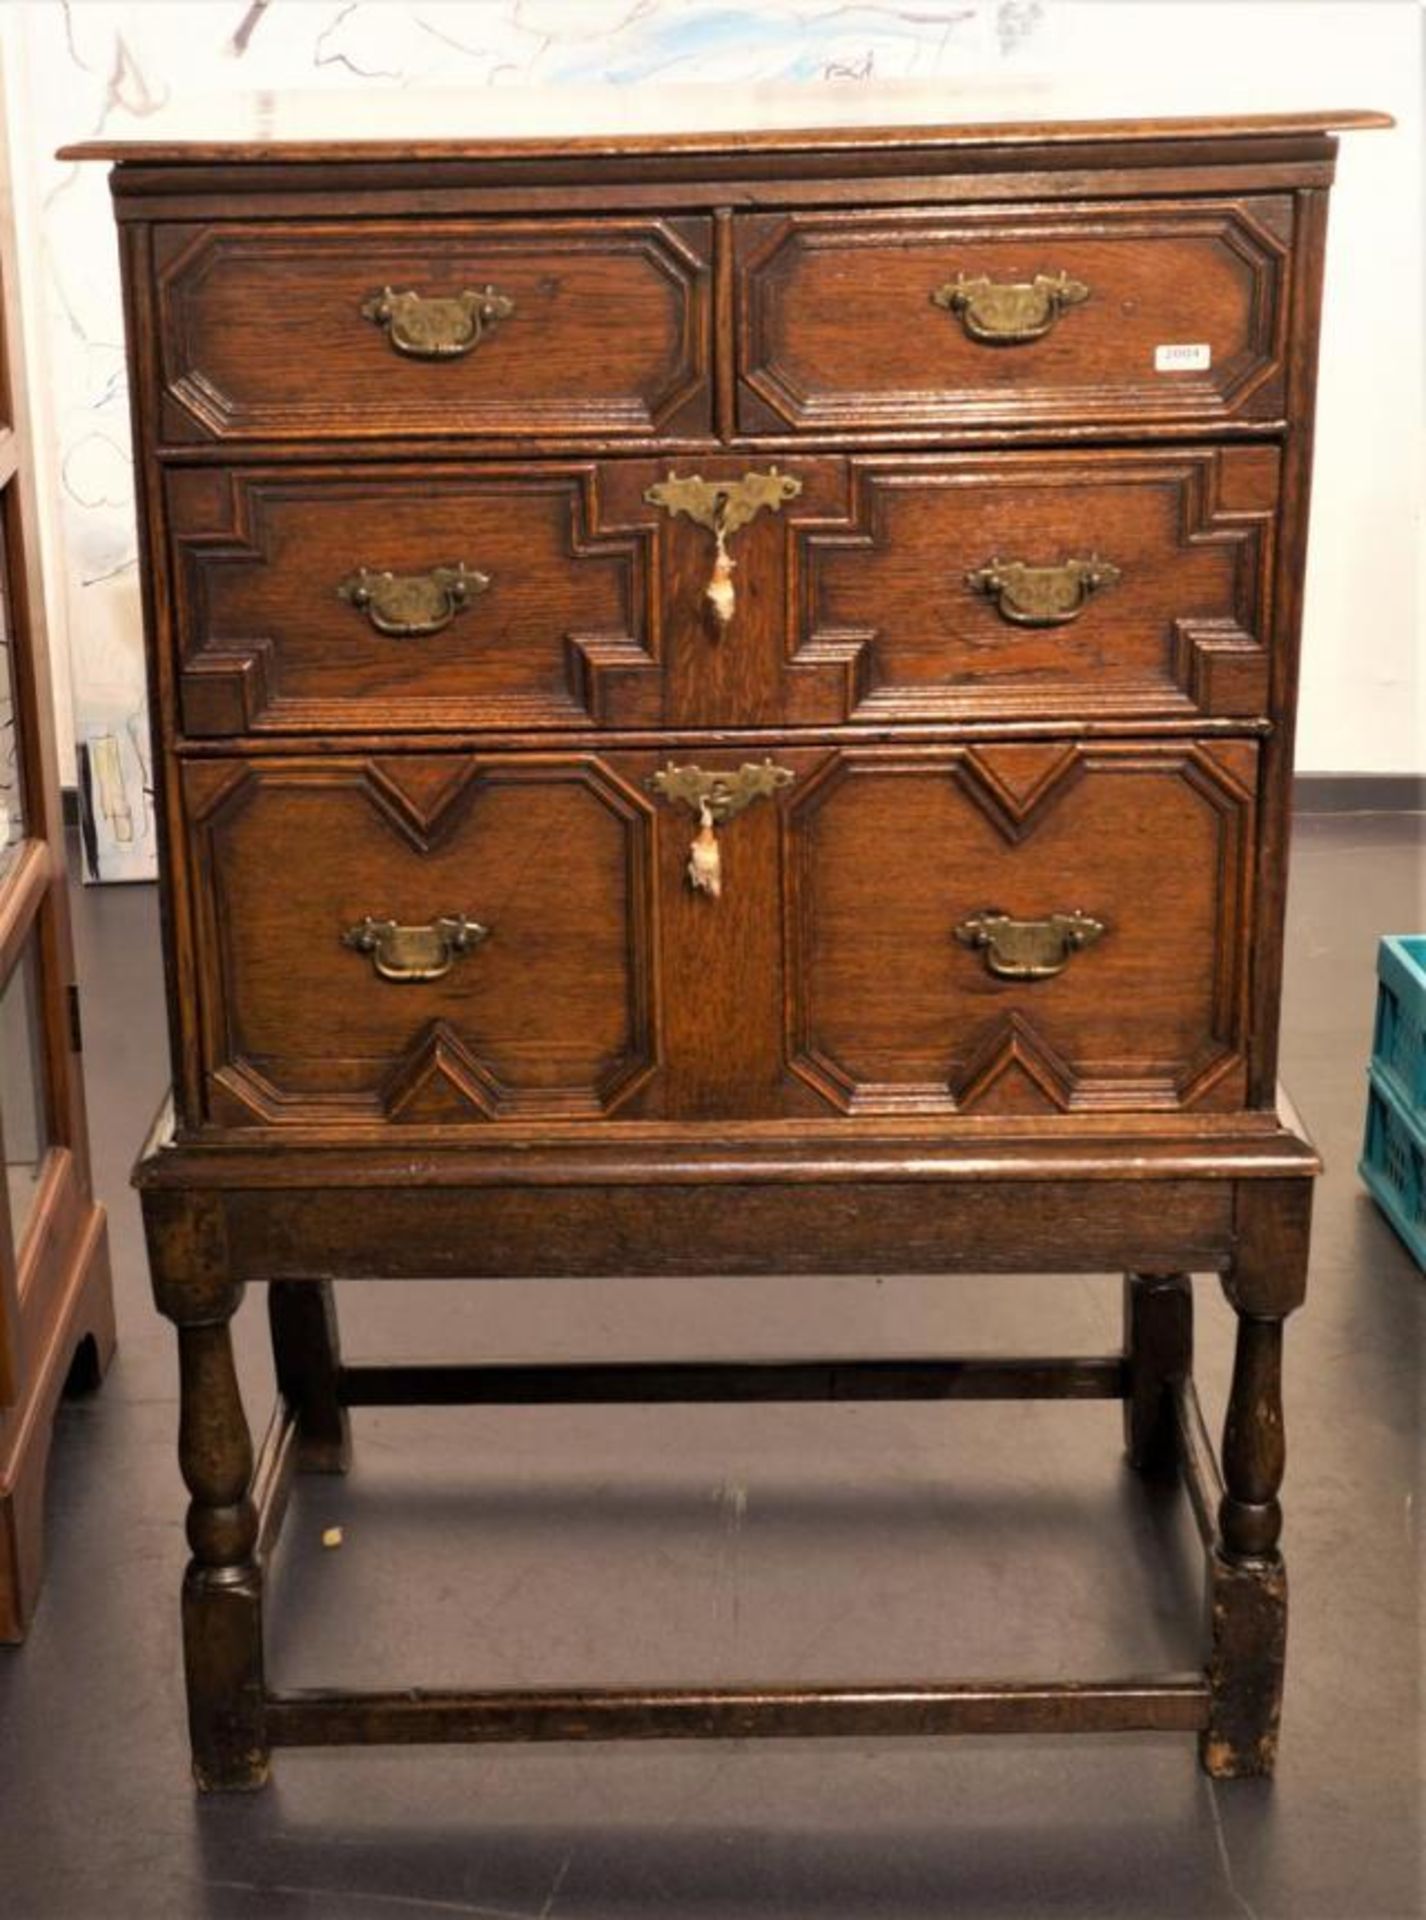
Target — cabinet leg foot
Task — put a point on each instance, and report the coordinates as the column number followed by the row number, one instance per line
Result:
column 222, row 1657
column 1247, row 1624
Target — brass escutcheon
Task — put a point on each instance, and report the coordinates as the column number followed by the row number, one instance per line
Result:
column 1008, row 313
column 723, row 506
column 410, row 604
column 436, row 326
column 410, row 954
column 721, row 795
column 1028, row 949
column 716, row 798
column 1042, row 596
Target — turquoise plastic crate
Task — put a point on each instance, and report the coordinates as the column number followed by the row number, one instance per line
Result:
column 1399, row 1042
column 1393, row 1163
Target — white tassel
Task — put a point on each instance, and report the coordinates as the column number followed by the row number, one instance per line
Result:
column 705, row 861
column 719, row 591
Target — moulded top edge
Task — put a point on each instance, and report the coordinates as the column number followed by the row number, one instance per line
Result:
column 272, row 143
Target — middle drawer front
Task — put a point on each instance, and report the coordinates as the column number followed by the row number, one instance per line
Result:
column 451, row 939
column 890, row 588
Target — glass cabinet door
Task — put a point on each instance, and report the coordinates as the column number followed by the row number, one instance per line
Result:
column 56, row 1302
column 45, row 1198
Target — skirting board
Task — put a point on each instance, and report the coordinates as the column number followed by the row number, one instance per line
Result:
column 1359, row 793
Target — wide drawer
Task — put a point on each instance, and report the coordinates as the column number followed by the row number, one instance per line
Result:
column 362, row 329
column 557, row 596
column 449, row 939
column 921, row 319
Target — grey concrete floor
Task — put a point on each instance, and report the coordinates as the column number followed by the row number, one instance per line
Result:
column 835, row 1543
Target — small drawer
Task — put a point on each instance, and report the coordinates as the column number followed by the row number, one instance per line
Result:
column 1023, row 929
column 918, row 319
column 1099, row 583
column 356, row 330
column 420, row 940
column 477, row 597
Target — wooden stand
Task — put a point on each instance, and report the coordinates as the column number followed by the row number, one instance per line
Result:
column 217, row 1220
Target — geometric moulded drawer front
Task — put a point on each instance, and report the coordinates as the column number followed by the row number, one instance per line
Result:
column 1023, row 930
column 377, row 329
column 1098, row 582
column 482, row 596
column 421, row 940
column 980, row 317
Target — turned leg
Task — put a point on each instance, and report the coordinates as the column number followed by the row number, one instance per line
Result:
column 1254, row 1453
column 222, row 1587
column 308, row 1360
column 1158, row 1348
column 1247, row 1582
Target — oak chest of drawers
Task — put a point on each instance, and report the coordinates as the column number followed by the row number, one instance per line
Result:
column 726, row 706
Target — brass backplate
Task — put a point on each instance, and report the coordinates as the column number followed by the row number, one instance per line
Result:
column 1008, row 313
column 1028, row 949
column 437, row 326
column 1042, row 596
column 407, row 605
column 724, row 505
column 720, row 795
column 411, row 954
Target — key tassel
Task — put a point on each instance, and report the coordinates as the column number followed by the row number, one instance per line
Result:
column 705, row 861
column 719, row 591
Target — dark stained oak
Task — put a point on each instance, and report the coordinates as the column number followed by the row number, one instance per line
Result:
column 838, row 327
column 549, row 1014
column 1158, row 1345
column 263, row 331
column 989, row 977
column 308, row 1357
column 559, row 634
column 444, row 123
column 891, row 623
column 893, row 851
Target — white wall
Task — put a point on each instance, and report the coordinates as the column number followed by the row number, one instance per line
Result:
column 1364, row 650
column 79, row 69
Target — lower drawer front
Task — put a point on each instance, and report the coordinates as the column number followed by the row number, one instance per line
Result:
column 515, row 938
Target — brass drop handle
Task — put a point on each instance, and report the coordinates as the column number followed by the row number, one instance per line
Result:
column 723, row 506
column 1028, row 949
column 716, row 798
column 408, row 605
column 997, row 313
column 1042, row 596
column 410, row 954
column 437, row 326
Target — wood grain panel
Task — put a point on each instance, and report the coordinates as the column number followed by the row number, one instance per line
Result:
column 552, row 1015
column 262, row 332
column 888, row 625
column 566, row 633
column 838, row 329
column 893, row 848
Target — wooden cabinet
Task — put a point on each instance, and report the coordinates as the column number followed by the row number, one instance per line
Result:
column 56, row 1308
column 726, row 706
